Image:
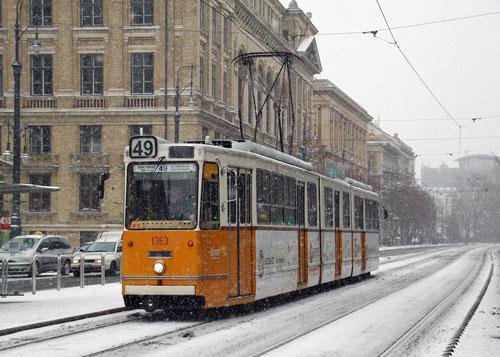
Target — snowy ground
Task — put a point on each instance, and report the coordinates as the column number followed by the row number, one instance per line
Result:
column 367, row 331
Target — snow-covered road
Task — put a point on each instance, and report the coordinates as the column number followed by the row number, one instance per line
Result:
column 355, row 319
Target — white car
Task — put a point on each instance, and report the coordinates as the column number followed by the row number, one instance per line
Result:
column 110, row 246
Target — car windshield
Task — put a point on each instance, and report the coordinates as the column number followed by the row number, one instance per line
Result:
column 20, row 243
column 101, row 247
column 162, row 195
column 83, row 248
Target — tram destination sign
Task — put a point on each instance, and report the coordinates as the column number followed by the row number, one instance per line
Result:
column 142, row 147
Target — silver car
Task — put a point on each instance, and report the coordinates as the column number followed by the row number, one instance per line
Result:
column 112, row 251
column 19, row 253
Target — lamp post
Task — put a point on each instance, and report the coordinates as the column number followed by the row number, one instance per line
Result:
column 16, row 228
column 178, row 91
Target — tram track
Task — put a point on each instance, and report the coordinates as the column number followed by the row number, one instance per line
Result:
column 114, row 317
column 398, row 346
column 266, row 343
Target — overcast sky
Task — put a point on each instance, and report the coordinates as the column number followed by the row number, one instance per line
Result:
column 458, row 60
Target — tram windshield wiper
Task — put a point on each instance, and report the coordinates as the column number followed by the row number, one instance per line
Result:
column 160, row 160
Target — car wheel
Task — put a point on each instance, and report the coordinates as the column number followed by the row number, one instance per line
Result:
column 76, row 273
column 112, row 269
column 66, row 268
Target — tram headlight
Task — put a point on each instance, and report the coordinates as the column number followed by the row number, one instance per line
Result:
column 159, row 267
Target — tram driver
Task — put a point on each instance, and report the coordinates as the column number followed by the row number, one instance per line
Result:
column 181, row 205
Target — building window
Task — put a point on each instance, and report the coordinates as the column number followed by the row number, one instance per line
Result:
column 89, row 195
column 41, row 12
column 224, row 87
column 87, row 237
column 202, row 16
column 226, row 30
column 40, row 139
column 214, row 24
column 91, row 12
column 39, row 201
column 214, row 81
column 142, row 73
column 202, row 75
column 41, row 75
column 92, row 74
column 142, row 12
column 90, row 139
column 141, row 130
column 1, row 70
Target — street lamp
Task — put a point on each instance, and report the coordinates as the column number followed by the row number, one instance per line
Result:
column 178, row 91
column 16, row 228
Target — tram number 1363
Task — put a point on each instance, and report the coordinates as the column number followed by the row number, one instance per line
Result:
column 143, row 147
column 159, row 240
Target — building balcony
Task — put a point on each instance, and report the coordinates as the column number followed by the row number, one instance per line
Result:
column 38, row 103
column 141, row 102
column 89, row 102
column 41, row 163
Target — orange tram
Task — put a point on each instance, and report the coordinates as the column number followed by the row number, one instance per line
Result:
column 213, row 224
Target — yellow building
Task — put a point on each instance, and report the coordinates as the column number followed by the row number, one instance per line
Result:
column 101, row 77
column 340, row 126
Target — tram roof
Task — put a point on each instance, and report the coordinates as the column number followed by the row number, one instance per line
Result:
column 255, row 148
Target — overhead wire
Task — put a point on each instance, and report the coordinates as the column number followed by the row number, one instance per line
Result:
column 412, row 25
column 413, row 68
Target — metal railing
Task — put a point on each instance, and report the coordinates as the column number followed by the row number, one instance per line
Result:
column 34, row 268
column 103, row 267
column 4, row 263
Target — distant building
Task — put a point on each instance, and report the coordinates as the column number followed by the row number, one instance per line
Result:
column 442, row 177
column 390, row 160
column 445, row 184
column 469, row 166
column 340, row 130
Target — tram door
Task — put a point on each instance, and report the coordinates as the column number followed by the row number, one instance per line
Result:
column 363, row 251
column 240, row 239
column 302, row 273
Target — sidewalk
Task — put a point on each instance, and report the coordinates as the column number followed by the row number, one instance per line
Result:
column 48, row 305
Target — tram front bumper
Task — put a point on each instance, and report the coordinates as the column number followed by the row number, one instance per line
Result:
column 182, row 290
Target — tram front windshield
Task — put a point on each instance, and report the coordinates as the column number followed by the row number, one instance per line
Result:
column 162, row 195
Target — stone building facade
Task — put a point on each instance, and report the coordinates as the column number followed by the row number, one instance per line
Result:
column 390, row 160
column 101, row 77
column 340, row 127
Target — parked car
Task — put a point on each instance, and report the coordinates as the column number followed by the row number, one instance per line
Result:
column 21, row 250
column 82, row 248
column 111, row 245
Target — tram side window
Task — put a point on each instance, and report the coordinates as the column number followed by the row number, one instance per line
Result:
column 290, row 201
column 300, row 204
column 245, row 197
column 312, row 204
column 328, row 207
column 358, row 212
column 210, row 197
column 231, row 196
column 263, row 196
column 336, row 199
column 346, row 204
column 277, row 189
column 372, row 214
